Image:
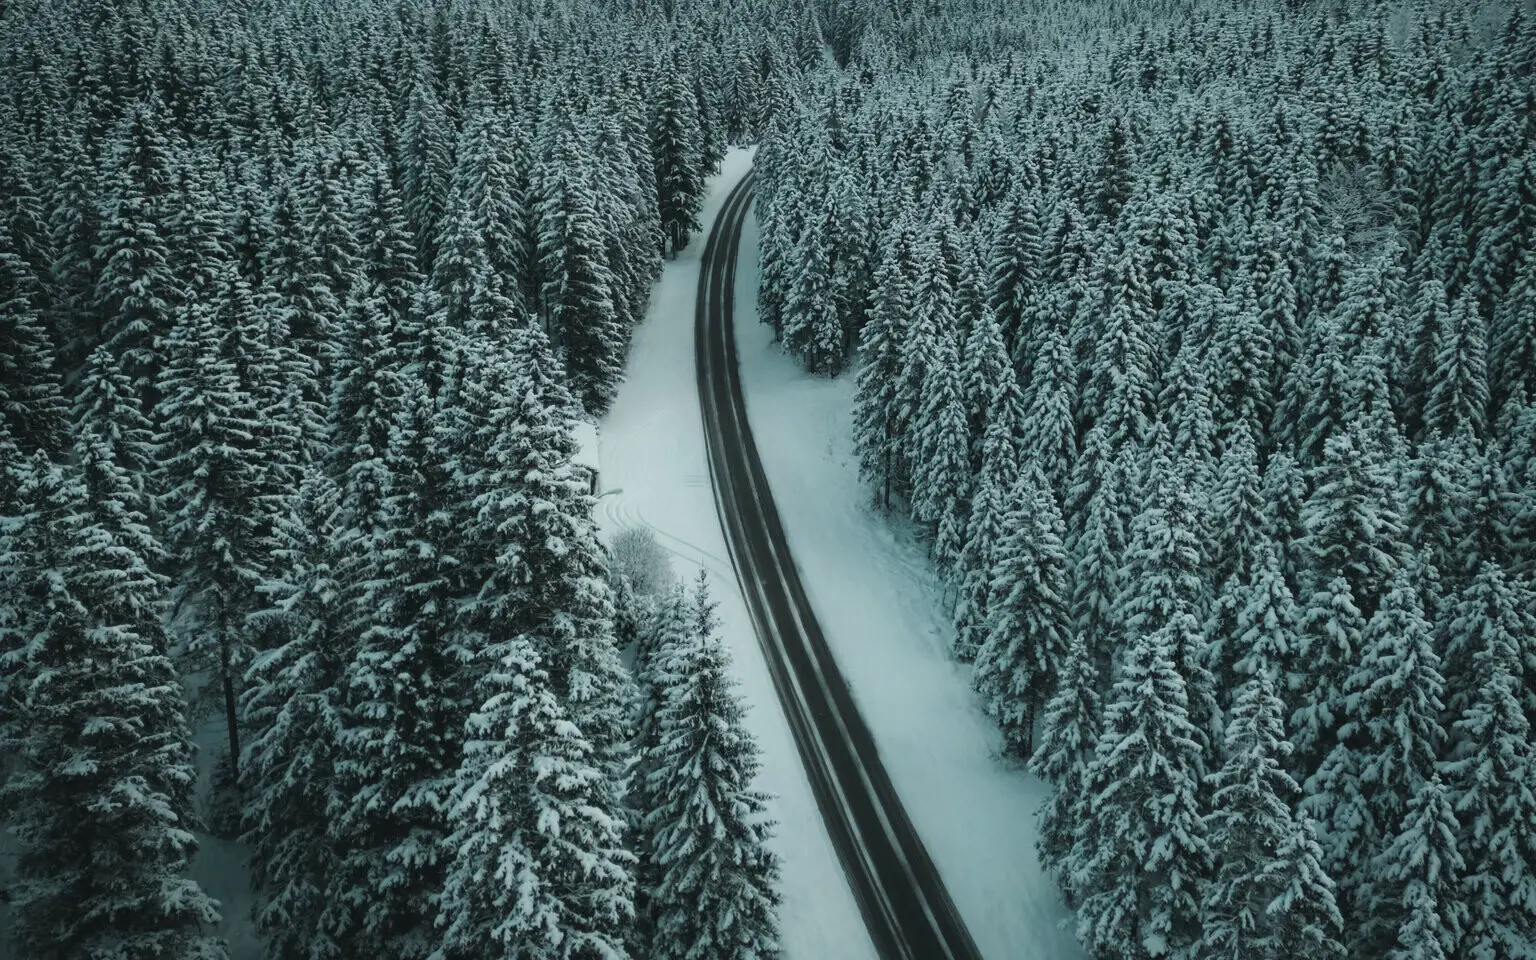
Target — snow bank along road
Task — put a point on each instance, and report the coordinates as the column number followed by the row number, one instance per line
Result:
column 906, row 908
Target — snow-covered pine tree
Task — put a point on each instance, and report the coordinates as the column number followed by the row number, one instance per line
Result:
column 678, row 151
column 878, row 419
column 579, row 289
column 136, row 291
column 404, row 699
column 531, row 550
column 1389, row 739
column 1162, row 578
column 1236, row 511
column 1351, row 519
column 985, row 366
column 1097, row 573
column 291, row 709
column 1416, row 909
column 1141, row 849
column 425, row 158
column 1485, row 613
column 538, row 869
column 1028, row 631
column 31, row 390
column 1049, row 431
column 101, row 798
column 941, row 477
column 1458, row 376
column 714, row 892
column 211, row 472
column 1067, row 739
column 1492, row 778
column 1000, row 456
column 1014, row 270
column 1269, row 897
column 1284, row 494
column 813, row 312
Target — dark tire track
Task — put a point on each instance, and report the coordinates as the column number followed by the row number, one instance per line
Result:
column 900, row 894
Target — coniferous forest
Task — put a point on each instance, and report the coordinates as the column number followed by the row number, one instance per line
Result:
column 1200, row 340
column 1197, row 338
column 298, row 305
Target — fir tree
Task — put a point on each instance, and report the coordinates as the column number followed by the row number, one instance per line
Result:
column 1270, row 896
column 1049, row 431
column 1141, row 848
column 1458, row 378
column 1027, row 633
column 539, row 869
column 31, row 390
column 292, row 709
column 1067, row 740
column 1416, row 912
column 941, row 469
column 101, row 800
column 579, row 287
column 1490, row 777
column 677, row 148
column 1389, row 741
column 715, row 890
column 985, row 527
column 212, row 473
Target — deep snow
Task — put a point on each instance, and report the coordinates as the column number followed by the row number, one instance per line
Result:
column 878, row 601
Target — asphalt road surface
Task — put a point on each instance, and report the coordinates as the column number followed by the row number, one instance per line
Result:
column 902, row 897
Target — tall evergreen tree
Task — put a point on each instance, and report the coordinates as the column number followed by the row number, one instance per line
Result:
column 1142, row 849
column 292, row 709
column 101, row 799
column 1067, row 741
column 1270, row 896
column 715, row 891
column 539, row 869
column 1490, row 774
column 1027, row 634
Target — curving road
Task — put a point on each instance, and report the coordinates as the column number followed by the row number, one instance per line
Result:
column 903, row 900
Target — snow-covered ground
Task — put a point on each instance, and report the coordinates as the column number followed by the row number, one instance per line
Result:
column 877, row 599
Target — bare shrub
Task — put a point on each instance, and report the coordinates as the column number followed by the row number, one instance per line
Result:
column 641, row 560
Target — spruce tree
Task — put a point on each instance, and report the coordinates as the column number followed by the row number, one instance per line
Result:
column 941, row 469
column 212, row 471
column 1067, row 741
column 1491, row 776
column 1027, row 633
column 1458, row 377
column 538, row 869
column 1389, row 740
column 714, row 893
column 985, row 526
column 1141, row 849
column 1269, row 897
column 292, row 710
column 136, row 290
column 101, row 801
column 1416, row 911
column 1049, row 431
column 678, row 151
column 579, row 289
column 31, row 390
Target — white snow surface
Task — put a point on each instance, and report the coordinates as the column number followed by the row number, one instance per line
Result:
column 878, row 600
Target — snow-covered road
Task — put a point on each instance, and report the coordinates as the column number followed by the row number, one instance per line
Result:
column 877, row 599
